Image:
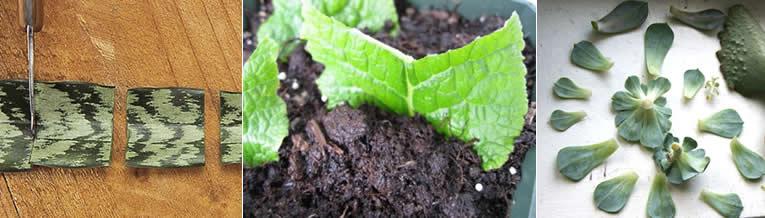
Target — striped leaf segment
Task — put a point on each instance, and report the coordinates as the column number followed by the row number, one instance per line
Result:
column 626, row 16
column 165, row 127
column 660, row 203
column 575, row 162
column 562, row 120
column 565, row 88
column 230, row 127
column 611, row 195
column 728, row 205
column 15, row 134
column 750, row 164
column 658, row 40
column 477, row 92
column 725, row 123
column 587, row 56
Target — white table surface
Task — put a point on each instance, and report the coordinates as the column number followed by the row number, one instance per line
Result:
column 565, row 22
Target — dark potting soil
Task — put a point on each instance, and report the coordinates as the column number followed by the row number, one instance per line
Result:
column 367, row 162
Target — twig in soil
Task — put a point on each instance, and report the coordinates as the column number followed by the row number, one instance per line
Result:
column 407, row 164
column 315, row 132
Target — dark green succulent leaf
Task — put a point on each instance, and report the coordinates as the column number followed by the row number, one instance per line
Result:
column 74, row 125
column 742, row 53
column 15, row 133
column 611, row 195
column 710, row 19
column 265, row 114
column 658, row 40
column 283, row 26
column 751, row 165
column 626, row 16
column 681, row 162
column 165, row 127
column 692, row 83
column 562, row 120
column 660, row 204
column 575, row 162
column 489, row 107
column 641, row 112
column 728, row 205
column 587, row 56
column 566, row 88
column 726, row 123
column 230, row 127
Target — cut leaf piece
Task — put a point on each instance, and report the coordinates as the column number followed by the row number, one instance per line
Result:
column 693, row 80
column 626, row 16
column 728, row 205
column 611, row 195
column 658, row 40
column 751, row 165
column 74, row 125
column 660, row 202
column 710, row 19
column 567, row 89
column 165, row 127
column 489, row 106
column 15, row 133
column 265, row 114
column 742, row 53
column 230, row 127
column 575, row 162
column 641, row 111
column 587, row 56
column 726, row 123
column 562, row 120
column 681, row 162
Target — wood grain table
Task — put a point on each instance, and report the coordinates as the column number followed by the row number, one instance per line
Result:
column 155, row 43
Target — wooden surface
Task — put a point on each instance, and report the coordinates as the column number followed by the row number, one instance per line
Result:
column 189, row 43
column 563, row 23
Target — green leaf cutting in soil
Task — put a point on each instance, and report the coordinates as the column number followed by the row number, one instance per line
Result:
column 587, row 56
column 742, row 53
column 658, row 40
column 489, row 107
column 681, row 162
column 15, row 134
column 660, row 204
column 693, row 80
column 575, row 162
column 230, row 127
column 566, row 88
column 265, row 114
column 642, row 114
column 728, row 205
column 709, row 19
column 562, row 120
column 626, row 16
column 611, row 195
column 750, row 164
column 725, row 123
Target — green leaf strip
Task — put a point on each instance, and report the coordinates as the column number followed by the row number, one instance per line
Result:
column 611, row 195
column 230, row 127
column 575, row 162
column 587, row 56
column 660, row 204
column 566, row 88
column 658, row 40
column 710, row 19
column 692, row 83
column 728, row 205
column 725, row 123
column 562, row 120
column 15, row 134
column 626, row 16
column 750, row 164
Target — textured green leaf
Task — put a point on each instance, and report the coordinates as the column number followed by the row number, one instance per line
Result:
column 283, row 26
column 660, row 204
column 641, row 113
column 611, row 195
column 726, row 123
column 743, row 52
column 265, row 114
column 165, row 127
column 74, row 125
column 751, row 165
column 562, row 120
column 476, row 92
column 587, row 56
column 566, row 88
column 658, row 40
column 626, row 16
column 728, row 205
column 710, row 19
column 15, row 135
column 575, row 162
column 681, row 162
column 693, row 80
column 230, row 127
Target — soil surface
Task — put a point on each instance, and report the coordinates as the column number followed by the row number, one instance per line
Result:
column 367, row 162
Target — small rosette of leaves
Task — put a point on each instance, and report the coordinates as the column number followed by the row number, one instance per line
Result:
column 710, row 19
column 726, row 123
column 728, row 205
column 626, row 16
column 681, row 162
column 575, row 162
column 642, row 114
column 587, row 56
column 566, row 88
column 611, row 195
column 693, row 80
column 751, row 165
column 658, row 40
column 660, row 204
column 562, row 120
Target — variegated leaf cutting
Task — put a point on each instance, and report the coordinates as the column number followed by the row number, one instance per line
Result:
column 231, row 127
column 74, row 125
column 15, row 135
column 165, row 127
